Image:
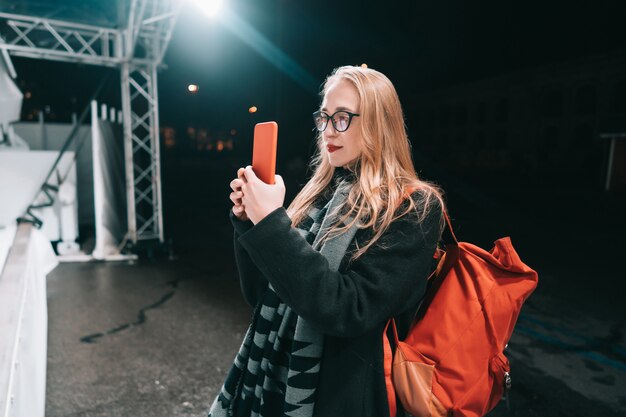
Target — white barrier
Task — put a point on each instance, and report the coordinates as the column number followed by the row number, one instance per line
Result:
column 109, row 184
column 24, row 321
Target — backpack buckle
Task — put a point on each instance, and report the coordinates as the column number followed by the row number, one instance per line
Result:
column 507, row 381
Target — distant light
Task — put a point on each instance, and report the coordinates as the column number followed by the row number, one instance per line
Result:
column 363, row 65
column 233, row 132
column 28, row 94
column 192, row 88
column 252, row 109
column 210, row 7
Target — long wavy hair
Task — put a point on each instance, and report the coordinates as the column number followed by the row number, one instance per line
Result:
column 384, row 171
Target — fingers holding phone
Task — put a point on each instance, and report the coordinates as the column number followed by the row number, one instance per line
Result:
column 260, row 198
column 237, row 194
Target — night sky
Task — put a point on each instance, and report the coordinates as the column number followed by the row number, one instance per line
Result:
column 420, row 45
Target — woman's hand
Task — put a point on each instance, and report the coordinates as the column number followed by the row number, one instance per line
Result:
column 235, row 196
column 260, row 199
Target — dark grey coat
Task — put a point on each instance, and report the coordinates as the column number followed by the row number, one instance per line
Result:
column 350, row 306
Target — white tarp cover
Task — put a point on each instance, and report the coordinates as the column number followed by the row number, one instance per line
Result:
column 52, row 137
column 21, row 175
column 109, row 184
column 10, row 95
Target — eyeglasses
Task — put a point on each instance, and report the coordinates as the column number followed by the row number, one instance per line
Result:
column 340, row 119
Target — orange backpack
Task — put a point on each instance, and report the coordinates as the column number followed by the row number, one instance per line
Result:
column 452, row 362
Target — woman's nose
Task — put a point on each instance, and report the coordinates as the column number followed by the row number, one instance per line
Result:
column 330, row 130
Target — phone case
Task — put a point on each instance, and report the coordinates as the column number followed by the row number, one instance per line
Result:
column 264, row 151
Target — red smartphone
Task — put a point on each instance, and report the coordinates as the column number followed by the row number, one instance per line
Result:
column 264, row 151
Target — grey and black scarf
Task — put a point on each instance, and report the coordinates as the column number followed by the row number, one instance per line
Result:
column 276, row 370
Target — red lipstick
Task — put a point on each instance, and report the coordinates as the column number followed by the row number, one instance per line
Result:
column 332, row 148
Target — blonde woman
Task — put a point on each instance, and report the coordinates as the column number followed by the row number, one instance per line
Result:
column 353, row 249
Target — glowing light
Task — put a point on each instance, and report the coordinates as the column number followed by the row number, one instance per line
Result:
column 252, row 109
column 274, row 55
column 209, row 7
column 260, row 43
column 192, row 88
column 363, row 65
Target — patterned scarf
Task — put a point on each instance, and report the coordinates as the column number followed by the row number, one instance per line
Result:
column 276, row 370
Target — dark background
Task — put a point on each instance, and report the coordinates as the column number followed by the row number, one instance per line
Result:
column 420, row 45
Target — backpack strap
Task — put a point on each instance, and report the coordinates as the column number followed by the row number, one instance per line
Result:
column 387, row 366
column 451, row 235
column 446, row 263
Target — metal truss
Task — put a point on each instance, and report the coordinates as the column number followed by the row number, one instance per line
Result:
column 34, row 37
column 149, row 31
column 150, row 27
column 137, row 50
column 140, row 110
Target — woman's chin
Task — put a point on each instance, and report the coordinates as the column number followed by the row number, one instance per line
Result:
column 340, row 162
column 335, row 162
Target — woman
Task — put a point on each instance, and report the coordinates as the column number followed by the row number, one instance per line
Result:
column 353, row 249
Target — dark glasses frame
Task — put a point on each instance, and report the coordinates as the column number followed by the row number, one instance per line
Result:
column 331, row 117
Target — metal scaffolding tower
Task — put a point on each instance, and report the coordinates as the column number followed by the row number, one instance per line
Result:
column 137, row 48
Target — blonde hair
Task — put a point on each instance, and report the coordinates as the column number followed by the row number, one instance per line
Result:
column 385, row 175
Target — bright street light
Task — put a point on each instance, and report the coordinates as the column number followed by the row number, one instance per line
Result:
column 210, row 7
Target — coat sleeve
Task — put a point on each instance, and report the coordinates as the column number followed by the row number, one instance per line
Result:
column 252, row 282
column 382, row 283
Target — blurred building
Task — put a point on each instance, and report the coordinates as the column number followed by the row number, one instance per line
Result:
column 543, row 122
column 168, row 135
column 198, row 139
